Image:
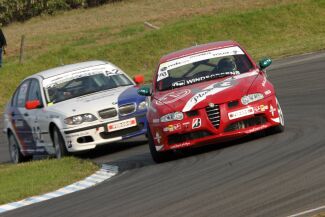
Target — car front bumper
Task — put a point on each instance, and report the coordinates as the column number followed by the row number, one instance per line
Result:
column 215, row 125
column 92, row 136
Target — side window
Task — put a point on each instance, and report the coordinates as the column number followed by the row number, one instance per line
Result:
column 22, row 93
column 34, row 92
column 14, row 98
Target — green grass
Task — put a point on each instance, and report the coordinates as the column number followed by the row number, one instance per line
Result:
column 37, row 177
column 275, row 31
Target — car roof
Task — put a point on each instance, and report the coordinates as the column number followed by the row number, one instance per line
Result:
column 69, row 68
column 197, row 49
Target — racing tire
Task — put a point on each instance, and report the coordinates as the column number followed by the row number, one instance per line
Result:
column 14, row 150
column 59, row 144
column 158, row 157
column 279, row 128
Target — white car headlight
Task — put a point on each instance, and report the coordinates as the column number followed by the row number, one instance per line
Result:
column 251, row 98
column 142, row 105
column 175, row 116
column 78, row 119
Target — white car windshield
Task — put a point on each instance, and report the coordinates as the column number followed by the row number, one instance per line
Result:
column 68, row 87
column 202, row 67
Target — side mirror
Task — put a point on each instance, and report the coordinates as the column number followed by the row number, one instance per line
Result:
column 266, row 62
column 33, row 104
column 144, row 91
column 138, row 79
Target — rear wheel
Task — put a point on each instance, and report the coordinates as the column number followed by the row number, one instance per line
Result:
column 158, row 157
column 14, row 150
column 59, row 144
column 280, row 127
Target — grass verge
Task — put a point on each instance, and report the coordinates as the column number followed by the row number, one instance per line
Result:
column 276, row 30
column 38, row 177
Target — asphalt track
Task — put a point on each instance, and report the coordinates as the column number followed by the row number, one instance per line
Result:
column 277, row 175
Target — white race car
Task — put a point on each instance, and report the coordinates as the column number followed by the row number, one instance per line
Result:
column 73, row 108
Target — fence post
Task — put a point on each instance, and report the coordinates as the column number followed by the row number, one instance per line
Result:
column 22, row 43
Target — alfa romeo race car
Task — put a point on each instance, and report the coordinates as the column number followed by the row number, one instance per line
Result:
column 209, row 94
column 73, row 108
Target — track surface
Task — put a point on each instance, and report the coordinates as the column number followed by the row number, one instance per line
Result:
column 277, row 175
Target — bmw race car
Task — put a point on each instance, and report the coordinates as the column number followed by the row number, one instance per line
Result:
column 73, row 108
column 208, row 94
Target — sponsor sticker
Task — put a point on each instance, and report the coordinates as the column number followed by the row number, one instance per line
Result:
column 210, row 90
column 172, row 97
column 171, row 128
column 268, row 92
column 180, row 145
column 264, row 82
column 157, row 138
column 162, row 75
column 261, row 108
column 107, row 70
column 201, row 56
column 241, row 113
column 121, row 124
column 272, row 110
column 196, row 123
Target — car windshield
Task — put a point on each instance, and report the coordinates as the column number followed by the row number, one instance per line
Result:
column 202, row 67
column 79, row 84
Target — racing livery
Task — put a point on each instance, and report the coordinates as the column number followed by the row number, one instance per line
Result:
column 73, row 108
column 208, row 94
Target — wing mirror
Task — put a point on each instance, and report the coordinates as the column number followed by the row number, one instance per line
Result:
column 138, row 79
column 265, row 62
column 144, row 91
column 33, row 104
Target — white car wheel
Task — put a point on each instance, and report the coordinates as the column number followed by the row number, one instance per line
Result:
column 59, row 144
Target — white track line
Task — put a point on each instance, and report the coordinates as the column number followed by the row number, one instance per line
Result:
column 106, row 172
column 307, row 211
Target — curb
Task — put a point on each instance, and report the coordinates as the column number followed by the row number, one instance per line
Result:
column 106, row 172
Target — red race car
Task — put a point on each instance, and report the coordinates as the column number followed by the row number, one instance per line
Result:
column 209, row 94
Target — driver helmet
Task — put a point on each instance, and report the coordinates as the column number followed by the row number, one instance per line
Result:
column 226, row 65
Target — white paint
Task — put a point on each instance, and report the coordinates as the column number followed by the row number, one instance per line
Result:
column 272, row 110
column 267, row 92
column 307, row 211
column 211, row 90
column 158, row 137
column 159, row 147
column 162, row 75
column 277, row 120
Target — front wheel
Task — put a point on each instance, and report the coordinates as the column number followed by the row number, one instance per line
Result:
column 14, row 150
column 59, row 144
column 280, row 127
column 158, row 157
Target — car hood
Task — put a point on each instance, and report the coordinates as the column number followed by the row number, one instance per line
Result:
column 92, row 103
column 199, row 95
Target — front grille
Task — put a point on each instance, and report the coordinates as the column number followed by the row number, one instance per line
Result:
column 214, row 115
column 178, row 138
column 107, row 113
column 255, row 121
column 127, row 109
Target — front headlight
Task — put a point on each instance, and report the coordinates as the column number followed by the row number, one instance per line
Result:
column 78, row 119
column 175, row 116
column 251, row 98
column 142, row 105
